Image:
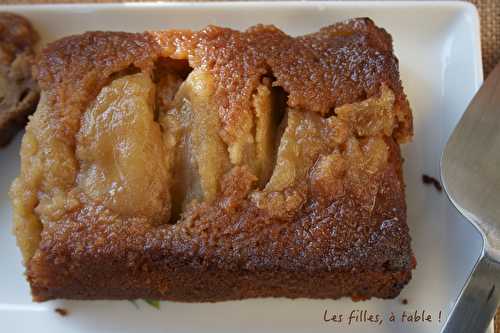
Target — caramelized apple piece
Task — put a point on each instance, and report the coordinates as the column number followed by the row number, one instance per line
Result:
column 123, row 163
column 241, row 147
column 192, row 130
column 366, row 157
column 166, row 89
column 266, row 132
column 255, row 144
column 366, row 151
column 306, row 137
column 372, row 116
column 327, row 176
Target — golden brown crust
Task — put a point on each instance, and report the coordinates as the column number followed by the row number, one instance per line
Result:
column 340, row 214
column 340, row 64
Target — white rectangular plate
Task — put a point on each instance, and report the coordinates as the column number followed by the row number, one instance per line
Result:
column 440, row 62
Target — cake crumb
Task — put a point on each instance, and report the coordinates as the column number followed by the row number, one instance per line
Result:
column 62, row 312
column 404, row 301
column 426, row 179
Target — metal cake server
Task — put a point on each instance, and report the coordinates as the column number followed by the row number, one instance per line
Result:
column 470, row 171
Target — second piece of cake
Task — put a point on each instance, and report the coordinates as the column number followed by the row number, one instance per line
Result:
column 19, row 92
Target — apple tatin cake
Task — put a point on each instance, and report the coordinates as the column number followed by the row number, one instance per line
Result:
column 216, row 165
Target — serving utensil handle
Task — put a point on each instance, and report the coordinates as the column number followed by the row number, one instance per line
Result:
column 478, row 300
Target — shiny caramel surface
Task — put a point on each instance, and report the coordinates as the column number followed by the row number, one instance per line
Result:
column 123, row 164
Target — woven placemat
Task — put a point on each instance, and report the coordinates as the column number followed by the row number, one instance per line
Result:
column 489, row 12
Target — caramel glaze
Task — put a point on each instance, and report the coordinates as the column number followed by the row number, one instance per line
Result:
column 354, row 242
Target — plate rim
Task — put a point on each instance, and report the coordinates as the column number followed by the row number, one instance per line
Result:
column 463, row 8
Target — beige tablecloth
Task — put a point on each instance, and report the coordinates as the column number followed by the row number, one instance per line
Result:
column 489, row 11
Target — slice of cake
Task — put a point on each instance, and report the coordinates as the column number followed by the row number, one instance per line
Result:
column 216, row 165
column 18, row 90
